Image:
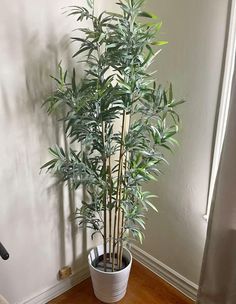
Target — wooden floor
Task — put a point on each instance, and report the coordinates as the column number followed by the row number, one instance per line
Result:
column 144, row 288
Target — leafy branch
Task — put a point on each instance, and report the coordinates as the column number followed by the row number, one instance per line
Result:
column 117, row 90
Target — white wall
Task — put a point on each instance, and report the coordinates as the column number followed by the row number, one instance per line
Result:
column 192, row 61
column 34, row 226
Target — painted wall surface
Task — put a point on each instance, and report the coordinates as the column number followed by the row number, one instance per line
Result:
column 192, row 61
column 34, row 212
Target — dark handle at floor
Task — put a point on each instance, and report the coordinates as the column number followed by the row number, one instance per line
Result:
column 3, row 252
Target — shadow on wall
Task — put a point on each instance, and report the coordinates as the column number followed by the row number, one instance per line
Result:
column 39, row 64
column 40, row 59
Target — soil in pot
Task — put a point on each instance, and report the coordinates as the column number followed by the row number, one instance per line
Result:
column 99, row 263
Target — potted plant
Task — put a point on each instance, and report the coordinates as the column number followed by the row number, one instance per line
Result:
column 123, row 121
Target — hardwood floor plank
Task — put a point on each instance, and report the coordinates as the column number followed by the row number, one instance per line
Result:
column 144, row 288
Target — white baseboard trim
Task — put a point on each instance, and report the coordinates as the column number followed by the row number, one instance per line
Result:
column 59, row 288
column 169, row 275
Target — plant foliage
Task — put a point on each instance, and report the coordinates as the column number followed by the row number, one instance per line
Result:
column 114, row 162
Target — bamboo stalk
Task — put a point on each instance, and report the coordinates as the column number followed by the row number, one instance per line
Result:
column 105, row 209
column 121, row 241
column 121, row 212
column 119, row 221
column 118, row 233
column 118, row 188
column 105, row 234
column 104, row 168
column 110, row 209
column 120, row 252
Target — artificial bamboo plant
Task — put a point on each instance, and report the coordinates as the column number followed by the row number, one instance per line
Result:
column 121, row 118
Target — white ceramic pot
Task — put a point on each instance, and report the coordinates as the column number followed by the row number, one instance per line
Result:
column 109, row 287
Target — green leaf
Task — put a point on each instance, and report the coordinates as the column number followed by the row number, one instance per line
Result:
column 170, row 92
column 159, row 43
column 147, row 15
column 140, row 222
column 82, row 50
column 137, row 234
column 90, row 3
column 57, row 80
column 176, row 103
column 73, row 81
column 151, row 205
column 49, row 163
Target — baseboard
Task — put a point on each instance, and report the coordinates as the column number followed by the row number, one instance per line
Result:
column 169, row 275
column 61, row 287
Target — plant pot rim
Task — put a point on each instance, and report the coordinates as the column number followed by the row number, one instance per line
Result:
column 106, row 272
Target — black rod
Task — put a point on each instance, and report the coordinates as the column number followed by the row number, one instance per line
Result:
column 3, row 252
